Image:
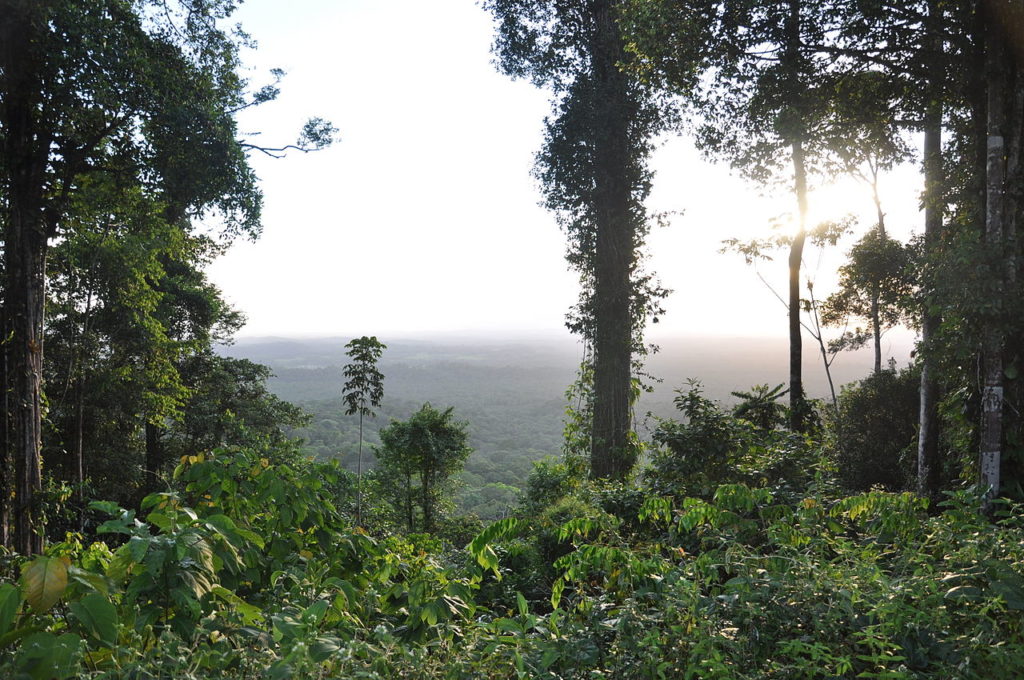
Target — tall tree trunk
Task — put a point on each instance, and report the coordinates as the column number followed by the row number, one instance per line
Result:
column 611, row 455
column 154, row 458
column 408, row 501
column 77, row 452
column 999, row 86
column 428, row 506
column 790, row 57
column 25, row 152
column 929, row 466
column 25, row 257
column 359, row 474
column 876, row 330
column 6, row 459
column 876, row 320
column 797, row 402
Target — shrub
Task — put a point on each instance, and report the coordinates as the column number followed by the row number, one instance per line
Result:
column 875, row 430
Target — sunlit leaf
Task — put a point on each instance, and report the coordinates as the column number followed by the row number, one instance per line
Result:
column 43, row 581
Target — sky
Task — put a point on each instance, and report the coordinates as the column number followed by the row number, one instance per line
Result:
column 424, row 219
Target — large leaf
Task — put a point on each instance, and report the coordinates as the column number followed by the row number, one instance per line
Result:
column 43, row 581
column 98, row 616
column 89, row 579
column 10, row 598
column 44, row 656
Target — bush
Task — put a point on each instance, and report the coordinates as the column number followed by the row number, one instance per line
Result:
column 876, row 430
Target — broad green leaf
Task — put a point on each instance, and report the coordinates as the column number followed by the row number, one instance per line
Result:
column 314, row 613
column 324, row 648
column 44, row 656
column 281, row 670
column 508, row 626
column 250, row 613
column 137, row 547
column 252, row 537
column 160, row 520
column 109, row 507
column 43, row 581
column 222, row 524
column 10, row 599
column 120, row 525
column 550, row 656
column 90, row 579
column 1009, row 585
column 98, row 616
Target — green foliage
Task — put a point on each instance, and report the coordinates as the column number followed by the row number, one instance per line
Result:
column 419, row 458
column 364, row 387
column 760, row 406
column 363, row 390
column 711, row 447
column 699, row 452
column 876, row 430
column 249, row 570
column 875, row 286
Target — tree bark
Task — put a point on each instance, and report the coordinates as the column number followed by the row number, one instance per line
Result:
column 359, row 474
column 154, row 458
column 876, row 330
column 77, row 451
column 797, row 402
column 6, row 460
column 426, row 486
column 999, row 84
column 876, row 321
column 408, row 501
column 797, row 132
column 25, row 257
column 611, row 455
column 928, row 463
column 25, row 149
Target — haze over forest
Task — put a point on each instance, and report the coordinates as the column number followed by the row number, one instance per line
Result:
column 511, row 391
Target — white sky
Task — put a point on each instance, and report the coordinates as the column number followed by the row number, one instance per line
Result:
column 423, row 218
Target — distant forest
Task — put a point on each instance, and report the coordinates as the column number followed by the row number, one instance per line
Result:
column 512, row 394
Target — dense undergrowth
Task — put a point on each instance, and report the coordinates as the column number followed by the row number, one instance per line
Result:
column 734, row 555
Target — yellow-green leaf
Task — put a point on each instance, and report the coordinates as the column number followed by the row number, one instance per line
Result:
column 43, row 581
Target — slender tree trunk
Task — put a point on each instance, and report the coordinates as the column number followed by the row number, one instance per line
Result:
column 876, row 330
column 408, row 501
column 6, row 460
column 825, row 362
column 154, row 458
column 611, row 455
column 359, row 474
column 999, row 92
column 797, row 402
column 929, row 465
column 790, row 57
column 428, row 507
column 876, row 321
column 77, row 449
